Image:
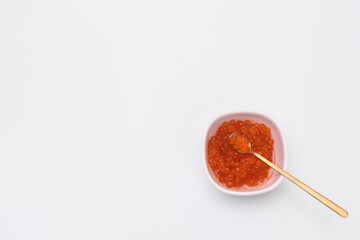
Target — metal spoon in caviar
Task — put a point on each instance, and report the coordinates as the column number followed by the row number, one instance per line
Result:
column 242, row 145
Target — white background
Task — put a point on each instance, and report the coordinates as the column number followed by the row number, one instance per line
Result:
column 103, row 105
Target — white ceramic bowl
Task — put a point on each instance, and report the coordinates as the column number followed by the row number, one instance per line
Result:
column 280, row 152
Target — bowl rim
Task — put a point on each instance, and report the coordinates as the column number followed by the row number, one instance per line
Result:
column 204, row 160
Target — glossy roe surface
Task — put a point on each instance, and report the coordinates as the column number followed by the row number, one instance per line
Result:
column 234, row 169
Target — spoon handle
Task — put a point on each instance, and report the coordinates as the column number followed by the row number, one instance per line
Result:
column 333, row 206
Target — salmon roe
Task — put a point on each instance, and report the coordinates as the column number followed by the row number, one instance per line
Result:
column 239, row 142
column 234, row 169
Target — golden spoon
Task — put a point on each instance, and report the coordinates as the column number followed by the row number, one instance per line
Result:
column 242, row 145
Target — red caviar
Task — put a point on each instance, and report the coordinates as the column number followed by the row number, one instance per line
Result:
column 239, row 142
column 234, row 169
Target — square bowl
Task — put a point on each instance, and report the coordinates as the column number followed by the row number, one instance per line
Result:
column 280, row 152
